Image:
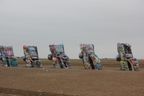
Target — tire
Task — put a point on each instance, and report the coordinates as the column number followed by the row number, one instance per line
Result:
column 91, row 63
column 38, row 64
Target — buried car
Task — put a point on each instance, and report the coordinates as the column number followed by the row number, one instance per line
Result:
column 7, row 56
column 31, row 56
column 89, row 58
column 125, row 57
column 58, row 56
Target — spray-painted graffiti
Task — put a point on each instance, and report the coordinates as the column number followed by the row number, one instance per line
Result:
column 31, row 56
column 7, row 56
column 58, row 56
column 89, row 58
column 125, row 57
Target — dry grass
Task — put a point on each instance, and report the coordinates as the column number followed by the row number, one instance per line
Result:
column 107, row 62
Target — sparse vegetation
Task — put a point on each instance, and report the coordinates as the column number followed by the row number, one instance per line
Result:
column 107, row 62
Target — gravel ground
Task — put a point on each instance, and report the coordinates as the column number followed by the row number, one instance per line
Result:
column 70, row 82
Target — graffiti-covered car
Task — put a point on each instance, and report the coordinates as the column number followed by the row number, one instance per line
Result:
column 31, row 56
column 7, row 57
column 126, row 58
column 58, row 56
column 89, row 58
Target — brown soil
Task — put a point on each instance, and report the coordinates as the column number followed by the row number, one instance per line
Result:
column 47, row 81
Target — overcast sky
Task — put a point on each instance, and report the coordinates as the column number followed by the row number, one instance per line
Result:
column 71, row 22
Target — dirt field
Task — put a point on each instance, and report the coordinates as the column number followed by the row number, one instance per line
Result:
column 47, row 81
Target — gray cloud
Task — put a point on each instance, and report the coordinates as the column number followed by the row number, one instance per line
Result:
column 43, row 22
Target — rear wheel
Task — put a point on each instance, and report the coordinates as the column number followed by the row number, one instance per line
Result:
column 38, row 64
column 91, row 63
